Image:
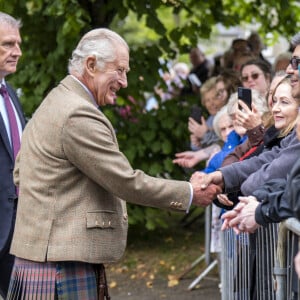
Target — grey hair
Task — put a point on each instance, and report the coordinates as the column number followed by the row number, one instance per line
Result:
column 6, row 19
column 100, row 43
column 282, row 57
column 259, row 101
column 223, row 111
column 295, row 41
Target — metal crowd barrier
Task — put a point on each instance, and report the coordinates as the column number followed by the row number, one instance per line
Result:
column 260, row 266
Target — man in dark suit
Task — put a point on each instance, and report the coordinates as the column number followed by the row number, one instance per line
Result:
column 10, row 52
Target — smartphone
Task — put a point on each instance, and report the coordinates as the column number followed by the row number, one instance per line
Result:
column 244, row 94
column 196, row 113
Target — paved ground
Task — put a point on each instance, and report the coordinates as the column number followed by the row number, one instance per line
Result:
column 137, row 290
column 129, row 289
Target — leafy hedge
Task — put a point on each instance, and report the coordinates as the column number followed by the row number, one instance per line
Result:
column 150, row 141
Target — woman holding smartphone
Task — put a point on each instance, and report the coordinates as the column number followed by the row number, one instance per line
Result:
column 256, row 74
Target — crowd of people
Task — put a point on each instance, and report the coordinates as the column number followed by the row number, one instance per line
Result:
column 237, row 147
column 261, row 146
column 65, row 183
column 256, row 178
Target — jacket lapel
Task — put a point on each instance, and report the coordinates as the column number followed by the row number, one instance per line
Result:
column 4, row 136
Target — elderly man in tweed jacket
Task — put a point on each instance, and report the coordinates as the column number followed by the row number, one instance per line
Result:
column 74, row 181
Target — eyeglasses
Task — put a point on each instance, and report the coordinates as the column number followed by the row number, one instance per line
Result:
column 295, row 61
column 220, row 93
column 253, row 76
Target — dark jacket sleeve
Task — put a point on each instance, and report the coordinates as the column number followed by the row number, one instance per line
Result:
column 280, row 198
column 274, row 206
column 251, row 173
column 294, row 189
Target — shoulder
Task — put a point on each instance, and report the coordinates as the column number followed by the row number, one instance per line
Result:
column 11, row 90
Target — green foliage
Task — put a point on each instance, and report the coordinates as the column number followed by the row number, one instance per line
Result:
column 150, row 140
column 153, row 29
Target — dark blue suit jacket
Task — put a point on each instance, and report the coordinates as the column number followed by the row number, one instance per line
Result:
column 7, row 188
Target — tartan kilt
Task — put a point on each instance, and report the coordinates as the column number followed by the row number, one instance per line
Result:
column 52, row 281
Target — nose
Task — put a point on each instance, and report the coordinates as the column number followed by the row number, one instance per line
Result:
column 123, row 81
column 275, row 107
column 289, row 69
column 17, row 50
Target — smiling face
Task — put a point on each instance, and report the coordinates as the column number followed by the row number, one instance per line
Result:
column 295, row 82
column 212, row 103
column 105, row 83
column 10, row 51
column 222, row 93
column 284, row 106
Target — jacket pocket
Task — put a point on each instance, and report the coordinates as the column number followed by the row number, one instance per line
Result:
column 101, row 219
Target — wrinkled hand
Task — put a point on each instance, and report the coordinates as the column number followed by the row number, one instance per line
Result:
column 197, row 129
column 224, row 200
column 232, row 215
column 207, row 179
column 203, row 197
column 246, row 117
column 242, row 217
column 189, row 159
column 186, row 159
column 297, row 264
column 195, row 141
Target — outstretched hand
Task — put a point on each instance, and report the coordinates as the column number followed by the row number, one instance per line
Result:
column 207, row 179
column 203, row 196
column 223, row 199
column 189, row 159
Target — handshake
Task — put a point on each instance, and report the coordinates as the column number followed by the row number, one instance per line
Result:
column 206, row 187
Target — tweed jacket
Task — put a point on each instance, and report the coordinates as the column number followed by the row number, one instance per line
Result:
column 72, row 179
column 7, row 188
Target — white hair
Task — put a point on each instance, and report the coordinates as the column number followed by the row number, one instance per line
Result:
column 100, row 43
column 216, row 126
column 181, row 68
column 6, row 19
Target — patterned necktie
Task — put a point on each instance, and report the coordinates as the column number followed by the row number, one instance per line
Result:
column 14, row 131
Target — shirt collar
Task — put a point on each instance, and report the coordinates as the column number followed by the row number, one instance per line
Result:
column 87, row 90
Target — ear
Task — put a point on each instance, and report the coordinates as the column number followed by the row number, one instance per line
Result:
column 91, row 65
